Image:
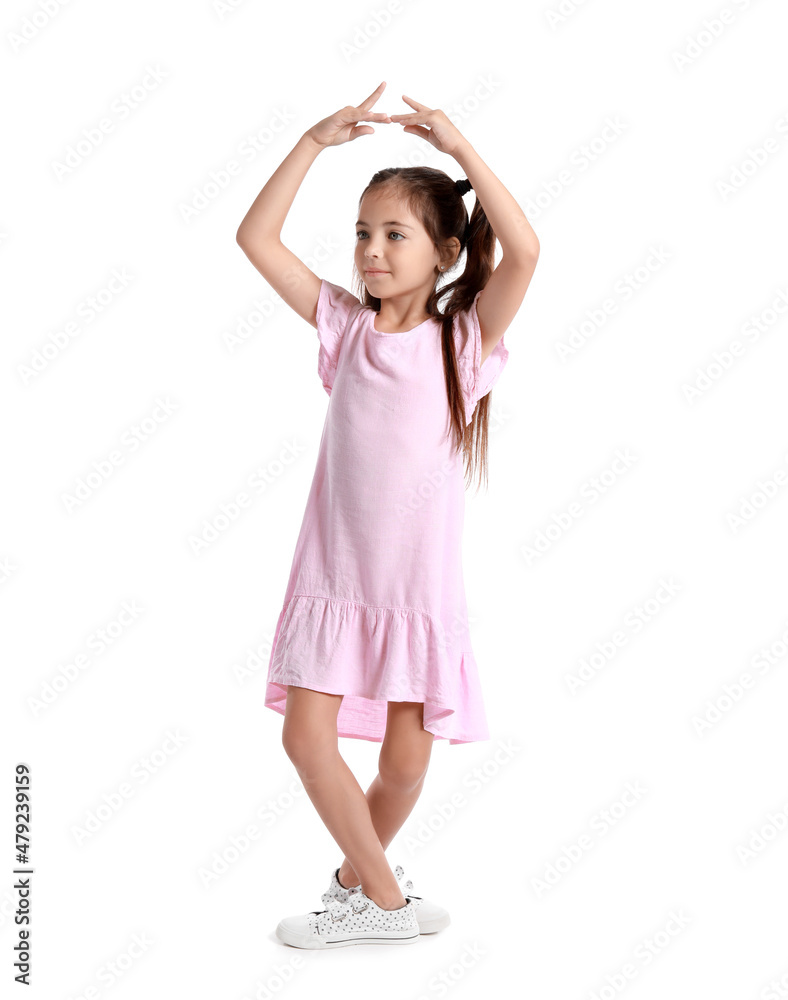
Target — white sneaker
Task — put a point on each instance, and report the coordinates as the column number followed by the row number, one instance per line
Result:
column 431, row 917
column 356, row 920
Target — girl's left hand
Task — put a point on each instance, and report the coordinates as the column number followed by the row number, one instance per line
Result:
column 441, row 132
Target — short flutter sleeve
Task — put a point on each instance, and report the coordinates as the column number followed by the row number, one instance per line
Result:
column 477, row 379
column 334, row 306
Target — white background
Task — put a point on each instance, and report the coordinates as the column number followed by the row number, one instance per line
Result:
column 700, row 100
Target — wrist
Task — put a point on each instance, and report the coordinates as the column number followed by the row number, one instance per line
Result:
column 308, row 140
column 462, row 150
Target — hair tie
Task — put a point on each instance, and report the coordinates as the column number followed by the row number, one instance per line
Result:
column 463, row 186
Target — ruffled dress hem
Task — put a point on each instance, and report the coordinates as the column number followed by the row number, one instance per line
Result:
column 372, row 655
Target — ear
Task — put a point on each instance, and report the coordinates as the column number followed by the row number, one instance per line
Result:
column 450, row 253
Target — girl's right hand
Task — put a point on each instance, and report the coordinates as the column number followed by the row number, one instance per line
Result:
column 341, row 126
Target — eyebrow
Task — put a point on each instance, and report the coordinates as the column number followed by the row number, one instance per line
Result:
column 402, row 225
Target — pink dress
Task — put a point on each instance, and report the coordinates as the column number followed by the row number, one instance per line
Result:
column 375, row 605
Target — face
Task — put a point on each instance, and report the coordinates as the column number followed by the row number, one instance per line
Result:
column 393, row 242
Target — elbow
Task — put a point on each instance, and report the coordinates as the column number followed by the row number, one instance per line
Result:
column 531, row 249
column 526, row 255
column 247, row 238
column 247, row 233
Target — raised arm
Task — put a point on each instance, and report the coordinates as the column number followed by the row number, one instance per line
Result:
column 260, row 231
column 504, row 292
column 259, row 234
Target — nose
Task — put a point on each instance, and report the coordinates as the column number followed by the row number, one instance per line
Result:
column 371, row 252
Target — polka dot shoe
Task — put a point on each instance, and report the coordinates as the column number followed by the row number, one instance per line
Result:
column 356, row 920
column 431, row 917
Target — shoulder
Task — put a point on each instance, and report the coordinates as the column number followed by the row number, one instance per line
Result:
column 479, row 364
column 335, row 305
column 466, row 329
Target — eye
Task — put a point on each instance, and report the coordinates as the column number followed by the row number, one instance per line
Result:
column 363, row 232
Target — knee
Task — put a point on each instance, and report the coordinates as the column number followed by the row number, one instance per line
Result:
column 304, row 748
column 297, row 745
column 403, row 771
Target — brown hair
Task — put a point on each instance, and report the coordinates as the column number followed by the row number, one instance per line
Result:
column 434, row 199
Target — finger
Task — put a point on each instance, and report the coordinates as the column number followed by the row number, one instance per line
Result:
column 418, row 130
column 415, row 104
column 359, row 115
column 360, row 130
column 415, row 120
column 369, row 101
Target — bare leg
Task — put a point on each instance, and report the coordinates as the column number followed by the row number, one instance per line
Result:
column 402, row 767
column 309, row 736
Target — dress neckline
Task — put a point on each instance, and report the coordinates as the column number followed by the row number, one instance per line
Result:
column 394, row 333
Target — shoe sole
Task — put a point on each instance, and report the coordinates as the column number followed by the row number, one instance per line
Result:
column 313, row 941
column 433, row 926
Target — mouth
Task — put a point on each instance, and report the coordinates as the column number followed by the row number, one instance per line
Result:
column 374, row 270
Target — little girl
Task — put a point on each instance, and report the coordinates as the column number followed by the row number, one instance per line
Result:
column 372, row 641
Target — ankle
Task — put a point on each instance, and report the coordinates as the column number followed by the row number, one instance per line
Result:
column 347, row 879
column 387, row 902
